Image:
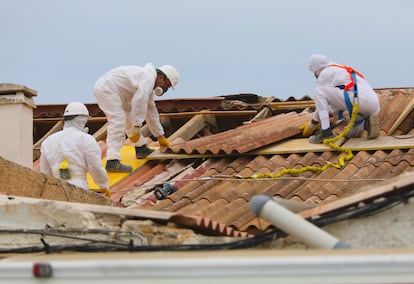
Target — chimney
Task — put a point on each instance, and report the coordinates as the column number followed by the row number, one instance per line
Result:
column 16, row 123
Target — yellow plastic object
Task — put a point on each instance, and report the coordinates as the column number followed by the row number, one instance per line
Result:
column 64, row 171
column 331, row 143
column 64, row 164
column 127, row 158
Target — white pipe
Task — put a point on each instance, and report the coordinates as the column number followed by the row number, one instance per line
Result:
column 265, row 207
column 359, row 267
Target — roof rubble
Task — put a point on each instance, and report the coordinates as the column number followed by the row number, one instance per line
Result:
column 217, row 142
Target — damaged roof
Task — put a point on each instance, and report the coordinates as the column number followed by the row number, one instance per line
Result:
column 221, row 145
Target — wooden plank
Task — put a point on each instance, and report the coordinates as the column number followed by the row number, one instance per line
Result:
column 57, row 127
column 209, row 112
column 137, row 213
column 264, row 113
column 300, row 145
column 402, row 116
column 190, row 128
column 210, row 121
column 101, row 133
column 55, row 119
column 291, row 105
column 163, row 115
column 101, row 209
column 381, row 143
column 366, row 193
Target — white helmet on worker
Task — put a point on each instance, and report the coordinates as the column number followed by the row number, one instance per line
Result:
column 171, row 73
column 318, row 62
column 76, row 108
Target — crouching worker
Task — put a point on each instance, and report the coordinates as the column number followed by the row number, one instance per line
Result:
column 71, row 153
column 338, row 88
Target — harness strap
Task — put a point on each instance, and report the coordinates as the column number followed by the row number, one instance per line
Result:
column 352, row 84
column 351, row 73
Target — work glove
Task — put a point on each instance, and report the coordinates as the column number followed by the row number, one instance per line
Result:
column 308, row 129
column 107, row 192
column 135, row 134
column 163, row 142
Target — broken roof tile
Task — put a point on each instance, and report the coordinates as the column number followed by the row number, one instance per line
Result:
column 246, row 137
column 210, row 197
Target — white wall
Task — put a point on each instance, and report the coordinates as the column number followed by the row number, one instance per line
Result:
column 16, row 123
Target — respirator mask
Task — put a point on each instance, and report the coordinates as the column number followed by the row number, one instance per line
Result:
column 159, row 91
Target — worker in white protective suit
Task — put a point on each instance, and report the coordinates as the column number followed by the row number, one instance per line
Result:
column 71, row 153
column 338, row 87
column 126, row 96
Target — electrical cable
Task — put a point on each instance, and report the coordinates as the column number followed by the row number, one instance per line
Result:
column 364, row 210
column 96, row 245
column 106, row 246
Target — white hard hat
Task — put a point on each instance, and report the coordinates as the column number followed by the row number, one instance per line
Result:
column 171, row 73
column 76, row 108
column 317, row 62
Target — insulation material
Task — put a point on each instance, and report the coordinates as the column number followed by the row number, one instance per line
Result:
column 127, row 158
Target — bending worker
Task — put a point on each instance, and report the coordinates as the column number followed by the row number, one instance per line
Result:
column 71, row 153
column 338, row 88
column 126, row 96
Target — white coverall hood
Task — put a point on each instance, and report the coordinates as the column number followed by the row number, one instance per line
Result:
column 318, row 62
column 77, row 122
column 80, row 149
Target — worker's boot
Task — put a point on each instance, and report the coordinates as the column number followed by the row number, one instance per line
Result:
column 321, row 135
column 372, row 126
column 115, row 166
column 142, row 151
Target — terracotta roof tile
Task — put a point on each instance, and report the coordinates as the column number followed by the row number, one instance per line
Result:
column 218, row 194
column 228, row 102
column 409, row 156
column 202, row 224
column 392, row 100
column 198, row 208
column 210, row 198
column 246, row 137
column 406, row 126
column 137, row 178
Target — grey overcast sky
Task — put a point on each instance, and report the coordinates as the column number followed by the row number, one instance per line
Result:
column 220, row 47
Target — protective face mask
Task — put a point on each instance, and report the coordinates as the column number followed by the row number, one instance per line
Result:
column 158, row 91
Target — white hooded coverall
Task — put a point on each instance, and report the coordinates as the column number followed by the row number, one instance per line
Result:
column 329, row 98
column 125, row 94
column 79, row 148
